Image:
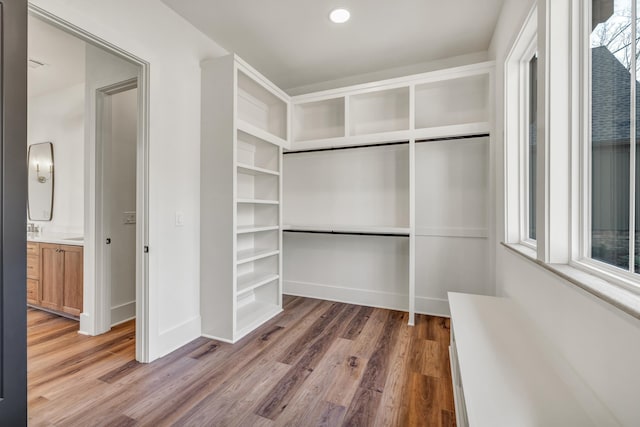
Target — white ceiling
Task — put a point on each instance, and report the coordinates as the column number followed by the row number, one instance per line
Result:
column 63, row 54
column 294, row 44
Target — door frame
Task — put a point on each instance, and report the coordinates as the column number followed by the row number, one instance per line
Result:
column 94, row 286
column 103, row 253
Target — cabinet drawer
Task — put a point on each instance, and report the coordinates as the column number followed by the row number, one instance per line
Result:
column 33, row 249
column 33, row 267
column 32, row 291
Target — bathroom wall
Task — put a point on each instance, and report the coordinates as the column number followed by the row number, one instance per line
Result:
column 58, row 117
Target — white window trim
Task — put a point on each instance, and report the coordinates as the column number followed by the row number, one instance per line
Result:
column 531, row 50
column 516, row 71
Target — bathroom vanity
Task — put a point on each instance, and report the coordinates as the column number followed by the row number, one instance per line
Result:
column 54, row 274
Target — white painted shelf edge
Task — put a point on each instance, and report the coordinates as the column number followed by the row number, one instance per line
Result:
column 250, row 281
column 255, row 131
column 452, row 131
column 252, row 315
column 254, row 170
column 258, row 201
column 449, row 131
column 243, row 229
column 352, row 141
column 347, row 229
column 254, row 254
column 498, row 349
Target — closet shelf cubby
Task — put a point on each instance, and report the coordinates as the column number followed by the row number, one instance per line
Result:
column 441, row 103
column 250, row 281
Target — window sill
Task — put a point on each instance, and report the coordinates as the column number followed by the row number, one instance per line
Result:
column 622, row 299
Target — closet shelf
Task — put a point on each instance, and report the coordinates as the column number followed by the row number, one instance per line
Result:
column 255, row 131
column 348, row 229
column 259, row 201
column 253, row 314
column 250, row 281
column 255, row 171
column 255, row 254
column 352, row 141
column 395, row 136
column 243, row 229
column 452, row 130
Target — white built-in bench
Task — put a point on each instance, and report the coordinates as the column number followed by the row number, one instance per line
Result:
column 506, row 374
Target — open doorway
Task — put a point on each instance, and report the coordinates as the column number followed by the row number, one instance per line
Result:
column 117, row 135
column 94, row 122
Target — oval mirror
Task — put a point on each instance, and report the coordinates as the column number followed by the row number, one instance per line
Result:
column 41, row 179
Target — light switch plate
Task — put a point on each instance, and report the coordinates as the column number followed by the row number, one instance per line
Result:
column 179, row 219
column 128, row 217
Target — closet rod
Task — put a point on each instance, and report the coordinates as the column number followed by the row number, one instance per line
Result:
column 451, row 138
column 349, row 233
column 314, row 150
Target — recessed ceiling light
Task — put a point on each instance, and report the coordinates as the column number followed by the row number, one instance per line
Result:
column 339, row 16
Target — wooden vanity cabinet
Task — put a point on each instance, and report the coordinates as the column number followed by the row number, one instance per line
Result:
column 33, row 273
column 60, row 286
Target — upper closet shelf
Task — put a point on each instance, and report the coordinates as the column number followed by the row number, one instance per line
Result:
column 452, row 131
column 348, row 229
column 353, row 141
column 255, row 131
column 438, row 104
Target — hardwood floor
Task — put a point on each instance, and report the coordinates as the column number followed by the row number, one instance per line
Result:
column 318, row 363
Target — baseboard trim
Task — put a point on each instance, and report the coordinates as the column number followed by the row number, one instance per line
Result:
column 174, row 338
column 388, row 300
column 123, row 312
column 433, row 306
column 213, row 337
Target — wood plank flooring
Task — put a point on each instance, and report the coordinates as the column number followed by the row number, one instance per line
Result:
column 319, row 363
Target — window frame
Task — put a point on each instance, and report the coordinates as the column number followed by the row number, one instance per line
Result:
column 525, row 100
column 581, row 259
column 516, row 119
column 563, row 209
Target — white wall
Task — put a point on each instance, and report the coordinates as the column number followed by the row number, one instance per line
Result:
column 173, row 49
column 122, row 185
column 58, row 117
column 601, row 342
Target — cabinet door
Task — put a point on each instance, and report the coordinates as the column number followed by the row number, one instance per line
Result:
column 52, row 274
column 72, row 283
column 33, row 291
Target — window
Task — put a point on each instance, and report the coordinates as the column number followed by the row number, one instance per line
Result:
column 531, row 150
column 614, row 134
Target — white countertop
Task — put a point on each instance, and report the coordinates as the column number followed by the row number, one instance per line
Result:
column 57, row 238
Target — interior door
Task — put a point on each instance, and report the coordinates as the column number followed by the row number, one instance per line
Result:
column 13, row 190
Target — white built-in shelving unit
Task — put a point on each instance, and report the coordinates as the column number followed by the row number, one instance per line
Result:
column 387, row 183
column 244, row 129
column 384, row 193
